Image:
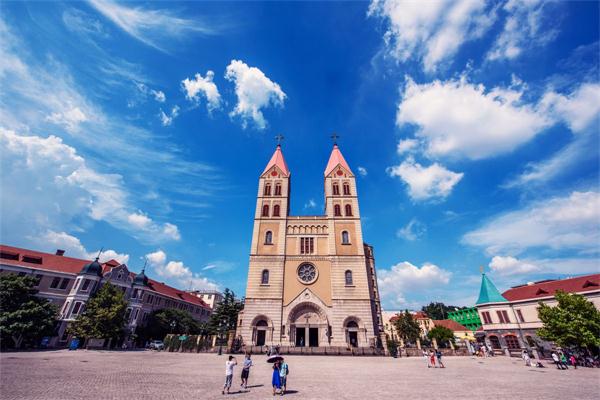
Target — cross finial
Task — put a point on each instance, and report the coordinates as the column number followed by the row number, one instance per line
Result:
column 335, row 137
column 279, row 138
column 481, row 269
column 99, row 253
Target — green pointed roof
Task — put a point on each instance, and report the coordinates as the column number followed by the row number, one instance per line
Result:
column 488, row 292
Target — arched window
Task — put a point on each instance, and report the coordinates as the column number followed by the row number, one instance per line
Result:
column 267, row 190
column 337, row 211
column 345, row 237
column 269, row 237
column 348, row 210
column 351, row 324
column 278, row 189
column 336, row 189
column 346, row 189
column 495, row 342
column 276, row 210
column 264, row 279
column 512, row 342
column 265, row 212
column 348, row 275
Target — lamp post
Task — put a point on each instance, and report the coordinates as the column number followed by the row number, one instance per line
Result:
column 172, row 325
column 221, row 327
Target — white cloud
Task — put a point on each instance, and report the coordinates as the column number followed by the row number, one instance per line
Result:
column 559, row 223
column 171, row 231
column 362, row 171
column 145, row 91
column 159, row 96
column 412, row 231
column 523, row 29
column 80, row 22
column 578, row 110
column 458, row 118
column 254, row 92
column 139, row 219
column 167, row 119
column 202, row 86
column 511, row 266
column 431, row 31
column 425, row 183
column 405, row 278
column 70, row 118
column 177, row 273
column 407, row 146
column 151, row 26
column 311, row 203
column 50, row 241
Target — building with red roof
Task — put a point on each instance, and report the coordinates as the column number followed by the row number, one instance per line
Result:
column 69, row 282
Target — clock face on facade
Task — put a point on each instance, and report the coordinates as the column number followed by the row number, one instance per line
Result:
column 307, row 273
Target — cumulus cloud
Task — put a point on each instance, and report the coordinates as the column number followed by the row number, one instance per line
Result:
column 69, row 118
column 511, row 266
column 407, row 146
column 205, row 87
column 51, row 240
column 412, row 231
column 403, row 278
column 167, row 119
column 578, row 109
column 177, row 273
column 459, row 118
column 362, row 171
column 431, row 31
column 559, row 223
column 254, row 92
column 432, row 182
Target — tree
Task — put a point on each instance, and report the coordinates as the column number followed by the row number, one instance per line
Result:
column 408, row 329
column 438, row 310
column 169, row 320
column 24, row 317
column 103, row 316
column 442, row 335
column 224, row 316
column 574, row 322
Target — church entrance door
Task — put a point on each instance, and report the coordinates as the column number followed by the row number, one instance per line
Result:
column 313, row 337
column 260, row 337
column 300, row 337
column 353, row 336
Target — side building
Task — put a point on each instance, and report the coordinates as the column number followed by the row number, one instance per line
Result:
column 70, row 282
column 466, row 317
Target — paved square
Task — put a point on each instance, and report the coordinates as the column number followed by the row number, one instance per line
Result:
column 150, row 375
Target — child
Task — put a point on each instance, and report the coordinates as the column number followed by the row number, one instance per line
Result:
column 229, row 373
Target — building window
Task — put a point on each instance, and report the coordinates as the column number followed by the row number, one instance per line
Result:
column 487, row 319
column 264, row 280
column 127, row 314
column 346, row 189
column 55, row 283
column 345, row 237
column 267, row 190
column 76, row 308
column 120, row 276
column 265, row 212
column 278, row 190
column 512, row 342
column 336, row 189
column 64, row 283
column 38, row 279
column 503, row 317
column 269, row 237
column 348, row 210
column 135, row 314
column 337, row 211
column 495, row 342
column 348, row 278
column 276, row 210
column 307, row 245
column 86, row 285
column 520, row 316
column 65, row 308
column 135, row 293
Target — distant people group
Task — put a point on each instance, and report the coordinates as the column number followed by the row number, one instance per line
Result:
column 431, row 357
column 279, row 377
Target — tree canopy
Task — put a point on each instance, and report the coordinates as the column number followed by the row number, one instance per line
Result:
column 24, row 317
column 159, row 323
column 438, row 310
column 103, row 316
column 441, row 334
column 574, row 322
column 408, row 329
column 224, row 315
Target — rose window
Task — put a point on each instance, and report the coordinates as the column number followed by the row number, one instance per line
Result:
column 307, row 273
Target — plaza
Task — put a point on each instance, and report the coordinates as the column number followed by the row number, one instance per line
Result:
column 160, row 375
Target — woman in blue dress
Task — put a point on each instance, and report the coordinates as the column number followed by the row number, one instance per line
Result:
column 276, row 382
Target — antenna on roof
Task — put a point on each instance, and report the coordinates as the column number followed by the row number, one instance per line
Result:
column 99, row 253
column 145, row 262
column 335, row 137
column 279, row 139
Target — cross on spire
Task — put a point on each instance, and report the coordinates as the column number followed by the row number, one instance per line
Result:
column 335, row 137
column 279, row 138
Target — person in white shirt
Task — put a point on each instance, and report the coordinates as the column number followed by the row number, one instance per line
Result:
column 229, row 373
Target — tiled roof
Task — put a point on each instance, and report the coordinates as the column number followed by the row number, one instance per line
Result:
column 69, row 265
column 548, row 288
column 278, row 161
column 488, row 292
column 336, row 158
column 450, row 324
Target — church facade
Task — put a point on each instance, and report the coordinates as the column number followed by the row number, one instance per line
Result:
column 311, row 279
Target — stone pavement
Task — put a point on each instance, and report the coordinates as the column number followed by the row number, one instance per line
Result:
column 151, row 375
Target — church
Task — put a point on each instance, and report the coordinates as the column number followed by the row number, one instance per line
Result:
column 311, row 279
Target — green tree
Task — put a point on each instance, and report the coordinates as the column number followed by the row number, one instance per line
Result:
column 438, row 310
column 408, row 329
column 224, row 315
column 103, row 316
column 24, row 317
column 442, row 335
column 575, row 321
column 168, row 320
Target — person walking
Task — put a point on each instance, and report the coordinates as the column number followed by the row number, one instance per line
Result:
column 563, row 360
column 573, row 361
column 232, row 362
column 284, row 371
column 438, row 354
column 556, row 360
column 526, row 358
column 426, row 357
column 276, row 381
column 246, row 371
column 432, row 358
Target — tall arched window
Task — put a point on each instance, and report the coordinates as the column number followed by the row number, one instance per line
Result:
column 346, row 189
column 512, row 342
column 336, row 189
column 278, row 189
column 269, row 237
column 264, row 279
column 348, row 210
column 265, row 212
column 495, row 342
column 345, row 237
column 267, row 190
column 348, row 275
column 276, row 210
column 337, row 211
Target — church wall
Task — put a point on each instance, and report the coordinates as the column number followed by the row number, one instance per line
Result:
column 346, row 249
column 274, row 288
column 293, row 286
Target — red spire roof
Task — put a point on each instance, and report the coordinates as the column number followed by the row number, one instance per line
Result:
column 336, row 158
column 278, row 161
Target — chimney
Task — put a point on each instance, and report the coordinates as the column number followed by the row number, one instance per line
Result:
column 59, row 252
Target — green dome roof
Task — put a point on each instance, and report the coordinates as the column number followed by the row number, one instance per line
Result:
column 140, row 279
column 93, row 268
column 488, row 292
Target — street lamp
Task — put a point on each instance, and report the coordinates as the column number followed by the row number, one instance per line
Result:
column 173, row 324
column 221, row 327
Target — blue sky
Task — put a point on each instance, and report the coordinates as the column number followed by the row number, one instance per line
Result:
column 142, row 128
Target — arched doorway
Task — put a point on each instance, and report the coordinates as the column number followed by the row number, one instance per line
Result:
column 308, row 325
column 261, row 330
column 352, row 333
column 495, row 342
column 512, row 342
